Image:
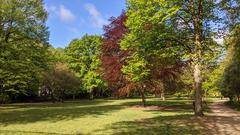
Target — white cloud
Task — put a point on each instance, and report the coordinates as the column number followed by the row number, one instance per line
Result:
column 62, row 12
column 65, row 14
column 96, row 17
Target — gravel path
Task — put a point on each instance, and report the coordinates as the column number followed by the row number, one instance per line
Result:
column 222, row 120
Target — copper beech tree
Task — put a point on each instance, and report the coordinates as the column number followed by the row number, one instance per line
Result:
column 112, row 57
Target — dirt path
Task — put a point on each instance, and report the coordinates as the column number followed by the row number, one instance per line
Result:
column 222, row 120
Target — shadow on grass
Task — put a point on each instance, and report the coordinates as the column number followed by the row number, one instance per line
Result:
column 54, row 112
column 75, row 103
column 174, row 105
column 169, row 105
column 19, row 132
column 159, row 102
column 160, row 125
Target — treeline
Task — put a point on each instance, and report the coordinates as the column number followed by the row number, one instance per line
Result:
column 154, row 47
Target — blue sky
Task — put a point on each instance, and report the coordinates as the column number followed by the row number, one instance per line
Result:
column 69, row 19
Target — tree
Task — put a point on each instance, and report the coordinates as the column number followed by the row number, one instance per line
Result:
column 182, row 26
column 84, row 58
column 231, row 80
column 112, row 57
column 58, row 81
column 231, row 12
column 23, row 45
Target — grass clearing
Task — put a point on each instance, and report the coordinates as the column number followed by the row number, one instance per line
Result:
column 100, row 117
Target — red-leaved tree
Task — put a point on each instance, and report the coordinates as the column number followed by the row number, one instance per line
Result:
column 112, row 58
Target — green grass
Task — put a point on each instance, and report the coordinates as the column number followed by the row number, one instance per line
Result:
column 100, row 117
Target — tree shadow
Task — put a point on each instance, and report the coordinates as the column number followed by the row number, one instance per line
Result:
column 56, row 104
column 168, row 105
column 158, row 103
column 160, row 125
column 55, row 112
column 227, row 125
column 20, row 132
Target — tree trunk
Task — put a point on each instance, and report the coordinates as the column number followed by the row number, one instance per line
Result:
column 62, row 96
column 231, row 99
column 91, row 95
column 197, row 16
column 162, row 95
column 143, row 97
column 52, row 97
column 198, row 91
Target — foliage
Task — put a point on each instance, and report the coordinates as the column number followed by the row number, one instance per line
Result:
column 231, row 12
column 231, row 74
column 58, row 81
column 57, row 55
column 233, row 105
column 112, row 57
column 23, row 45
column 154, row 49
column 212, row 81
column 174, row 28
column 4, row 98
column 83, row 57
column 136, row 70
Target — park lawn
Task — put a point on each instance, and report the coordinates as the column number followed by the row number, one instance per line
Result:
column 100, row 116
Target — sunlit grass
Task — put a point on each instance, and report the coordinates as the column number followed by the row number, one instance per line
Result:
column 98, row 117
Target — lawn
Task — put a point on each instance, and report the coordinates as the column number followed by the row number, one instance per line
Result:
column 101, row 116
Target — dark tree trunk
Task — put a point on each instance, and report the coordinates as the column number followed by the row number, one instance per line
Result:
column 91, row 95
column 62, row 95
column 52, row 97
column 231, row 99
column 143, row 97
column 73, row 96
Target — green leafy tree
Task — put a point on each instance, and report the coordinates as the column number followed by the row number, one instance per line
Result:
column 177, row 28
column 231, row 74
column 84, row 58
column 23, row 45
column 212, row 81
column 58, row 81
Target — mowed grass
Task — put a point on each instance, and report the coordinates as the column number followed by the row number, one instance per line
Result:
column 100, row 116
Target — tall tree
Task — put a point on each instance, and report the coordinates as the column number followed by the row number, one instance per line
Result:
column 84, row 58
column 112, row 57
column 196, row 9
column 182, row 26
column 231, row 73
column 23, row 45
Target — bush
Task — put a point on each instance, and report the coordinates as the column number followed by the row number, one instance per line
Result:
column 4, row 98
